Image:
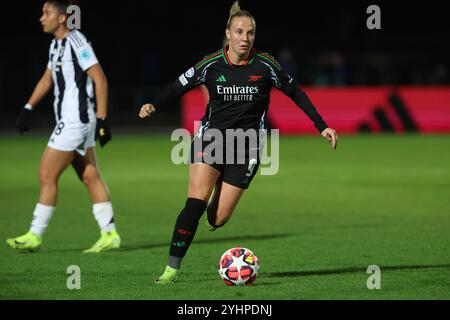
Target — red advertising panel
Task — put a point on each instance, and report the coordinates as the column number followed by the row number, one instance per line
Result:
column 350, row 109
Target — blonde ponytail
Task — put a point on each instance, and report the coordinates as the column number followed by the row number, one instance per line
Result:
column 235, row 8
column 236, row 11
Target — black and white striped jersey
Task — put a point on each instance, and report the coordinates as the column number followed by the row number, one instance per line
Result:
column 69, row 58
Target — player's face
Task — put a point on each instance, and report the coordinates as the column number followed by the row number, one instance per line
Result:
column 241, row 35
column 51, row 18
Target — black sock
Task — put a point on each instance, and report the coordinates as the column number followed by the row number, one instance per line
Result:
column 186, row 226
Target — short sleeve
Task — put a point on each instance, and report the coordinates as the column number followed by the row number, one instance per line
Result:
column 84, row 52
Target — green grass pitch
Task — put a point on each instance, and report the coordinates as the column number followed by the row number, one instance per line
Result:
column 316, row 226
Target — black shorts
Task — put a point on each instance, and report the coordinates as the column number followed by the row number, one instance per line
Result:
column 237, row 163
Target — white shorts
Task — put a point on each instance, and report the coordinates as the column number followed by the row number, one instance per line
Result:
column 73, row 136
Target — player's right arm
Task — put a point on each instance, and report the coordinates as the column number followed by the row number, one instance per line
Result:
column 40, row 91
column 187, row 81
column 192, row 78
column 42, row 88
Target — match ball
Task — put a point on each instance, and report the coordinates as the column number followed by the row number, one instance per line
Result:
column 238, row 266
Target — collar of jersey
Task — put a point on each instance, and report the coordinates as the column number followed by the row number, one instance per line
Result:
column 248, row 61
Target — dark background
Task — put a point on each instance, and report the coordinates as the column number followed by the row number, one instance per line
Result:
column 144, row 45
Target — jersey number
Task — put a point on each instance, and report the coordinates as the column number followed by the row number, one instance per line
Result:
column 251, row 167
column 59, row 128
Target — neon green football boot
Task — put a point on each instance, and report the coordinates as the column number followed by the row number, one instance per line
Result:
column 170, row 275
column 28, row 242
column 108, row 241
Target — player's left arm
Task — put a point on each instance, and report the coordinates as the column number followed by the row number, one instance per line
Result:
column 102, row 131
column 289, row 87
column 101, row 89
column 88, row 62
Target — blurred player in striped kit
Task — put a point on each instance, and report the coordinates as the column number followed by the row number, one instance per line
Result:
column 80, row 106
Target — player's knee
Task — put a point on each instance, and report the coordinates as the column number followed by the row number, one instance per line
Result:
column 90, row 176
column 46, row 177
column 199, row 190
column 199, row 194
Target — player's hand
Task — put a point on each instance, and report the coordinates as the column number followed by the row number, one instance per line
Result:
column 24, row 121
column 102, row 131
column 331, row 135
column 146, row 110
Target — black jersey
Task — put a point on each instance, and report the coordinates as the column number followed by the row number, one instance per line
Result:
column 239, row 96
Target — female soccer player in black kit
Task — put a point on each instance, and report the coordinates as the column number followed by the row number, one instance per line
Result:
column 239, row 79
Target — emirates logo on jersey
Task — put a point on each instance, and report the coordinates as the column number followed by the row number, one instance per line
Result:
column 236, row 93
